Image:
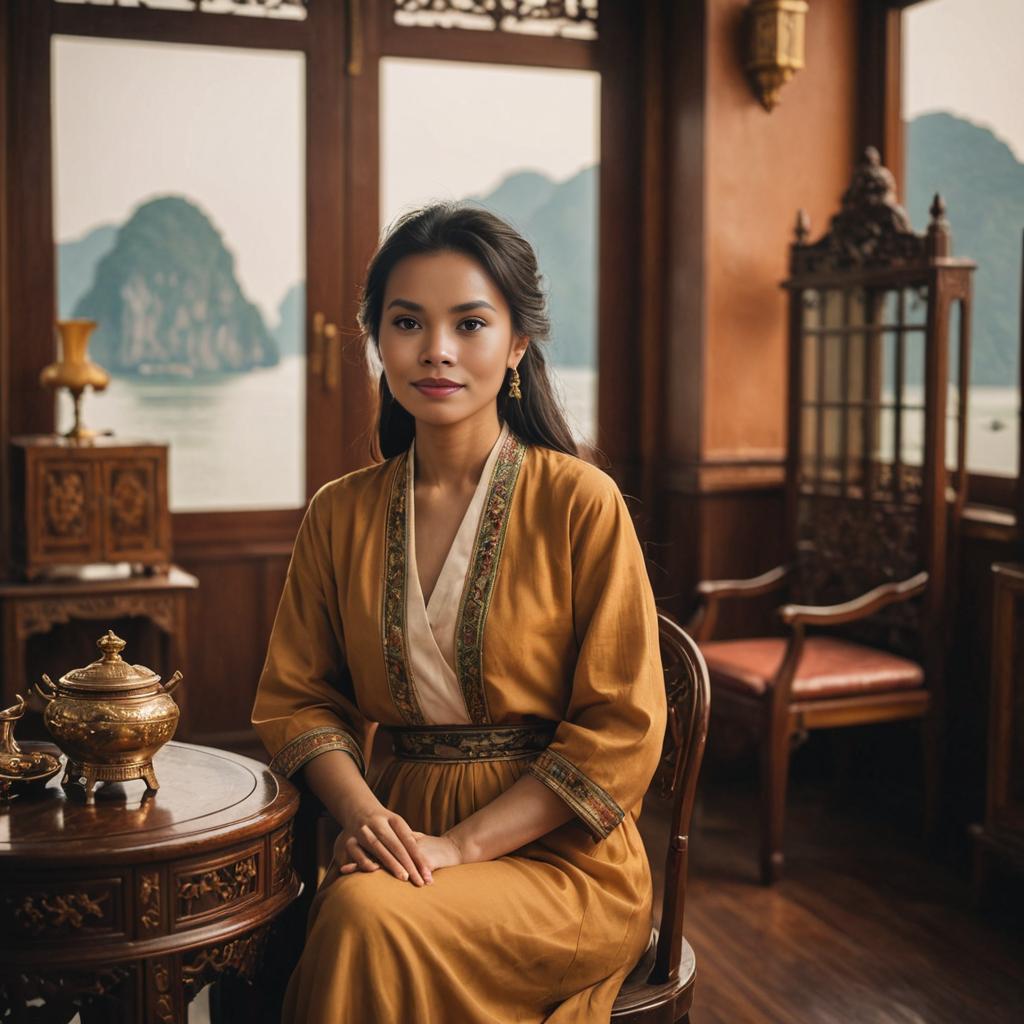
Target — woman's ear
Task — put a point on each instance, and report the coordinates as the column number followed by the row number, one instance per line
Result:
column 520, row 343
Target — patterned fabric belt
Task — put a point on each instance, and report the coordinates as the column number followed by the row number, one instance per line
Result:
column 453, row 743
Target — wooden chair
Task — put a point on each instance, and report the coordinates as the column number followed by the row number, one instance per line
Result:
column 873, row 494
column 659, row 990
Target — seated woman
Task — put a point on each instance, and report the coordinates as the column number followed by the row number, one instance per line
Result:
column 482, row 595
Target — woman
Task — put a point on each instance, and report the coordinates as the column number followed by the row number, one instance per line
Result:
column 482, row 595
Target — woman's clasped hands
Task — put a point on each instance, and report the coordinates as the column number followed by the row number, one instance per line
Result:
column 375, row 837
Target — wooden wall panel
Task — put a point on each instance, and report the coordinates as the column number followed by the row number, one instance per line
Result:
column 229, row 625
column 761, row 167
column 734, row 178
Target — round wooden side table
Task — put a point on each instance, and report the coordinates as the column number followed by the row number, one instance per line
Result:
column 125, row 910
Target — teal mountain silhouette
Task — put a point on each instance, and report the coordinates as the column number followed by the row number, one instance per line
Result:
column 76, row 265
column 560, row 220
column 167, row 299
column 291, row 318
column 982, row 183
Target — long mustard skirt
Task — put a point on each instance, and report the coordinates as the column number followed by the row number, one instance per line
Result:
column 545, row 934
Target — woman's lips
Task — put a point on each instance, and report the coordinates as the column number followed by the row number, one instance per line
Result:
column 438, row 390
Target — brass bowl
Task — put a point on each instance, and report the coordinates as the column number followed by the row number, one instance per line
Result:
column 110, row 718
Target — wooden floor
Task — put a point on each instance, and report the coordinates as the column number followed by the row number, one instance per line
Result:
column 865, row 929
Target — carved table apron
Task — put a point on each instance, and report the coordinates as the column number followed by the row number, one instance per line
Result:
column 125, row 910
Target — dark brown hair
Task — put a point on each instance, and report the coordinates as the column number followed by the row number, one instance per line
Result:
column 510, row 262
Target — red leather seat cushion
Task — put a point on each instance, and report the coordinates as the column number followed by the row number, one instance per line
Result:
column 828, row 667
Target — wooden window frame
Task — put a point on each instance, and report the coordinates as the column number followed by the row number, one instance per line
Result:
column 882, row 126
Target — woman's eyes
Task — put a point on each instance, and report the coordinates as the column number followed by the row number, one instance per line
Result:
column 471, row 325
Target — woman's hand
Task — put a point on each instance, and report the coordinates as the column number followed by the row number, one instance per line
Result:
column 374, row 837
column 439, row 851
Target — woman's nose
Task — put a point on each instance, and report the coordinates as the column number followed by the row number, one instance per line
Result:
column 438, row 349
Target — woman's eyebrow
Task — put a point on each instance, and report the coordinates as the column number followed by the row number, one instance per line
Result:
column 462, row 307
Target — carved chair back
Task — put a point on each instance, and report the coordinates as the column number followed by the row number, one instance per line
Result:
column 688, row 692
column 877, row 419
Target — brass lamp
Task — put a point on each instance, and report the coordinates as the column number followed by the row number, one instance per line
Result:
column 775, row 50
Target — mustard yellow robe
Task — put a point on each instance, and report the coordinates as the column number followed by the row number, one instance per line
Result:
column 555, row 624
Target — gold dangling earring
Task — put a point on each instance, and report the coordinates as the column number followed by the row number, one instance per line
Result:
column 513, row 387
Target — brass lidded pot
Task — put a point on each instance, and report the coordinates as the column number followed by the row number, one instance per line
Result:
column 110, row 718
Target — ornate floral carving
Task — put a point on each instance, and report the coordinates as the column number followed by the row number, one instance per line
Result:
column 281, row 858
column 149, row 901
column 62, row 987
column 870, row 229
column 41, row 616
column 679, row 694
column 37, row 913
column 218, row 886
column 239, row 956
column 128, row 500
column 66, row 501
column 161, row 998
column 847, row 548
column 545, row 17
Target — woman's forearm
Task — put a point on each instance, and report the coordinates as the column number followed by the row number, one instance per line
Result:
column 336, row 780
column 526, row 811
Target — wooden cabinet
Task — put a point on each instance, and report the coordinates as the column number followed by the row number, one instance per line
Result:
column 1002, row 834
column 76, row 504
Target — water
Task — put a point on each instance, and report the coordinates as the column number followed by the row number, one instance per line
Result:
column 238, row 441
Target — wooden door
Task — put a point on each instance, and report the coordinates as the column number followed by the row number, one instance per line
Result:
column 179, row 172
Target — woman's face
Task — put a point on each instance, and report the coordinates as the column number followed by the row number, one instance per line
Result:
column 446, row 337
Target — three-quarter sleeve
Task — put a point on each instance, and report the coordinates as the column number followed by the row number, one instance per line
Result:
column 606, row 749
column 305, row 704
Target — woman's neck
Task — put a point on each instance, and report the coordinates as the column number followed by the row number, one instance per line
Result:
column 452, row 456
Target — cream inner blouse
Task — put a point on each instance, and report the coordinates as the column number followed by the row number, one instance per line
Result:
column 431, row 625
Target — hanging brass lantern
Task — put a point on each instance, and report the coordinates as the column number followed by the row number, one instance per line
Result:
column 775, row 47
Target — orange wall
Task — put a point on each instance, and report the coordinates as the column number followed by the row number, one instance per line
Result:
column 760, row 168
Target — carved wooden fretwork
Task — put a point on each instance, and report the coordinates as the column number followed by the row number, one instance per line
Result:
column 679, row 692
column 41, row 616
column 573, row 18
column 149, row 901
column 202, row 892
column 238, row 957
column 61, row 990
column 295, row 9
column 161, row 999
column 66, row 502
column 847, row 548
column 129, row 501
column 281, row 869
column 871, row 229
column 36, row 913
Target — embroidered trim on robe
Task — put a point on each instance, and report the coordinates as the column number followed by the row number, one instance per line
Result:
column 293, row 755
column 470, row 743
column 595, row 808
column 393, row 623
column 483, row 568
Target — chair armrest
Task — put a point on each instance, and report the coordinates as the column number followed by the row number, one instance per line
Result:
column 710, row 592
column 859, row 608
column 753, row 587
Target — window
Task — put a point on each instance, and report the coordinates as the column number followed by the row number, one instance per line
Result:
column 965, row 139
column 161, row 153
column 522, row 142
